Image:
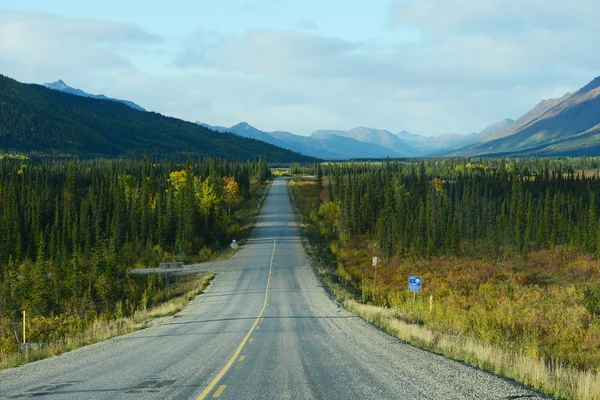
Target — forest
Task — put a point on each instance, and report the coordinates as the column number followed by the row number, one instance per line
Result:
column 71, row 230
column 509, row 249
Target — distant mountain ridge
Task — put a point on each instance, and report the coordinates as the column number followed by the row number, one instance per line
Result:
column 567, row 126
column 379, row 137
column 361, row 142
column 325, row 146
column 61, row 86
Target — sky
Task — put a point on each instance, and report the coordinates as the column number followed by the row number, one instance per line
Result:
column 427, row 66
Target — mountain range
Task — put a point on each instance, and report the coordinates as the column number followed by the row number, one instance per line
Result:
column 566, row 126
column 328, row 144
column 361, row 142
column 51, row 123
column 63, row 87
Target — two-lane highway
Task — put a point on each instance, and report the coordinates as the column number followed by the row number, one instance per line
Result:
column 265, row 329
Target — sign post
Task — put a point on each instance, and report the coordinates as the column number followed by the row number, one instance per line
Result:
column 24, row 337
column 414, row 286
column 376, row 262
column 362, row 282
column 233, row 244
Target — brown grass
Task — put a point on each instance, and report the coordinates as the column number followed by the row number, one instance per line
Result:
column 552, row 378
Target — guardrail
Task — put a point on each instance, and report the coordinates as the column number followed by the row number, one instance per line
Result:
column 169, row 265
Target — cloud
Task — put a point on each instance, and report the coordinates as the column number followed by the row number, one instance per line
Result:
column 506, row 38
column 263, row 51
column 441, row 66
column 470, row 64
column 35, row 41
column 465, row 61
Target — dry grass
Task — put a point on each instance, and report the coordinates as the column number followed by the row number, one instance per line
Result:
column 175, row 305
column 101, row 330
column 552, row 378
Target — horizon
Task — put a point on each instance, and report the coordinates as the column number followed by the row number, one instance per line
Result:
column 428, row 67
column 346, row 130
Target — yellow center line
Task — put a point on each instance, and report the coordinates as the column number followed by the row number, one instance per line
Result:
column 219, row 391
column 220, row 375
column 251, row 340
column 242, row 358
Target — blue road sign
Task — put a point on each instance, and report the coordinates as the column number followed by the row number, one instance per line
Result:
column 414, row 283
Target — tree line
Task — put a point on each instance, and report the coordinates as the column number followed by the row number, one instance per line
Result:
column 465, row 207
column 69, row 231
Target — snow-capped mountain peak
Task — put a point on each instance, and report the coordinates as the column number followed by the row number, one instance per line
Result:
column 61, row 86
column 58, row 85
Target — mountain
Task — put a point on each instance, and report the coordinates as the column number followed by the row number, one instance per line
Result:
column 363, row 142
column 568, row 125
column 494, row 128
column 586, row 144
column 343, row 148
column 378, row 137
column 326, row 146
column 63, row 87
column 213, row 128
column 38, row 120
column 438, row 145
column 246, row 130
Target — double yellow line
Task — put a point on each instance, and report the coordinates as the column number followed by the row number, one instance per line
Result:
column 220, row 375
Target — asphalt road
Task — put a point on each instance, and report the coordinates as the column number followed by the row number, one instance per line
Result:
column 264, row 329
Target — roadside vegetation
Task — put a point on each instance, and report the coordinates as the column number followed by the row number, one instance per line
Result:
column 71, row 231
column 509, row 252
column 55, row 335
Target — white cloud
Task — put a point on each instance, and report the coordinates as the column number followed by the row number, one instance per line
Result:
column 516, row 39
column 464, row 65
column 262, row 51
column 37, row 44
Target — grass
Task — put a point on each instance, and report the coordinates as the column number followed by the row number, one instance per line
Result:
column 191, row 288
column 101, row 330
column 551, row 378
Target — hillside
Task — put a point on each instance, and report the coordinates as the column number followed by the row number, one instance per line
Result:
column 494, row 129
column 568, row 125
column 35, row 119
column 584, row 144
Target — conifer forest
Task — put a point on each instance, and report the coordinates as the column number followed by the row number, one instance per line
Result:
column 71, row 230
column 509, row 249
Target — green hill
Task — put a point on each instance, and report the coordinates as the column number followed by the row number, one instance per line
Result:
column 37, row 120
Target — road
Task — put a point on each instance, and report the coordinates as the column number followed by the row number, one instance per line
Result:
column 264, row 329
